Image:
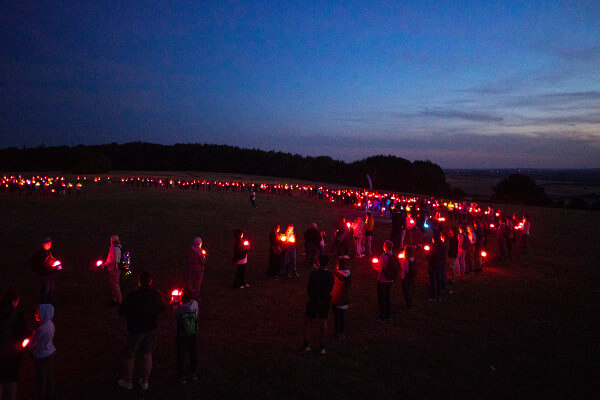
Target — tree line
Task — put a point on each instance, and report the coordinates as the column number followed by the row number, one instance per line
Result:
column 386, row 172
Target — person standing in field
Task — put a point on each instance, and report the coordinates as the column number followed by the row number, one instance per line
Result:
column 13, row 330
column 452, row 259
column 275, row 249
column 186, row 323
column 140, row 309
column 463, row 247
column 408, row 273
column 358, row 229
column 340, row 297
column 114, row 272
column 369, row 225
column 43, row 262
column 384, row 285
column 526, row 227
column 320, row 283
column 312, row 244
column 197, row 261
column 42, row 348
column 240, row 259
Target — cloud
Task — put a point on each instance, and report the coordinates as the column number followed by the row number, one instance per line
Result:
column 464, row 115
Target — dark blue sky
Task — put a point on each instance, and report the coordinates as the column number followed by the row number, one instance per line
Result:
column 461, row 83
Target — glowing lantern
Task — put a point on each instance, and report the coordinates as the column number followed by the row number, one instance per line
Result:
column 246, row 243
column 426, row 247
column 492, row 226
column 176, row 296
column 283, row 238
column 375, row 260
column 292, row 239
column 348, row 224
column 401, row 255
column 25, row 342
column 57, row 264
column 99, row 263
column 441, row 219
column 483, row 254
column 203, row 252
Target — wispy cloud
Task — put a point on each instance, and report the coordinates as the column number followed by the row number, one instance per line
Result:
column 464, row 115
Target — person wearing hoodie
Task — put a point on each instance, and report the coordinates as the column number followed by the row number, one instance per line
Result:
column 186, row 322
column 340, row 297
column 114, row 272
column 197, row 260
column 13, row 329
column 42, row 350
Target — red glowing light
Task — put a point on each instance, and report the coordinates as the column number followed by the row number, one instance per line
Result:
column 25, row 342
column 99, row 263
column 176, row 293
column 401, row 255
column 426, row 247
column 483, row 254
column 246, row 243
column 375, row 260
column 56, row 263
column 203, row 252
column 348, row 224
column 492, row 225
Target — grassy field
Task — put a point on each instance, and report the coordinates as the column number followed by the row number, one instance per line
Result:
column 524, row 329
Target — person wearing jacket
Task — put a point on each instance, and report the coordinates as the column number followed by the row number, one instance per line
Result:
column 114, row 271
column 340, row 297
column 384, row 286
column 312, row 244
column 13, row 329
column 436, row 260
column 240, row 258
column 42, row 263
column 453, row 253
column 408, row 272
column 369, row 225
column 186, row 341
column 196, row 260
column 42, row 349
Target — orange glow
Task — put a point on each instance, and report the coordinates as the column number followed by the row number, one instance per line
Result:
column 99, row 263
column 375, row 260
column 176, row 292
column 283, row 238
column 246, row 243
column 483, row 254
column 348, row 224
column 401, row 255
column 203, row 252
column 25, row 342
column 426, row 247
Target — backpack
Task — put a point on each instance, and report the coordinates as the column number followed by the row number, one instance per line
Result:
column 412, row 268
column 466, row 242
column 187, row 324
column 391, row 270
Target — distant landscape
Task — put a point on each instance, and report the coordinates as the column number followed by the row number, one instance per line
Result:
column 561, row 184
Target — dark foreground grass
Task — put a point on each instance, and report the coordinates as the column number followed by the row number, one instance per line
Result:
column 525, row 329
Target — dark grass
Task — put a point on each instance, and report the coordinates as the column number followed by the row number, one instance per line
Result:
column 523, row 329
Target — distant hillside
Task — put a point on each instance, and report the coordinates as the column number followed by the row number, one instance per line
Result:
column 386, row 172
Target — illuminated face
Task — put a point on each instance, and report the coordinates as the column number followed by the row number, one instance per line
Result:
column 47, row 246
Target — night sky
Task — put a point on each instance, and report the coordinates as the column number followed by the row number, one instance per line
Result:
column 465, row 84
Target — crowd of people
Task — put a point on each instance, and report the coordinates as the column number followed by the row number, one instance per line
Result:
column 452, row 237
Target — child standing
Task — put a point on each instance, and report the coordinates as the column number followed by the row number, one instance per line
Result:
column 186, row 321
column 43, row 350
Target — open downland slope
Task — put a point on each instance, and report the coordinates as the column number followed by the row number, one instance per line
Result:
column 525, row 329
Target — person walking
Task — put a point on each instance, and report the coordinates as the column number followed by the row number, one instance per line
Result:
column 340, row 297
column 369, row 225
column 140, row 309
